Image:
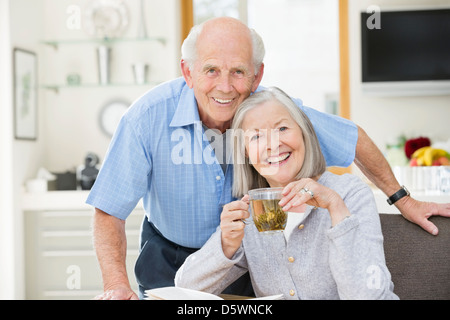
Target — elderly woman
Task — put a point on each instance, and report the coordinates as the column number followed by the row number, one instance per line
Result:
column 332, row 247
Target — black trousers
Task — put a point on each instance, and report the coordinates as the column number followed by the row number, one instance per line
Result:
column 159, row 259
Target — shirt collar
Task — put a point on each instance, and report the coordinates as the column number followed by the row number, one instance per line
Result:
column 187, row 110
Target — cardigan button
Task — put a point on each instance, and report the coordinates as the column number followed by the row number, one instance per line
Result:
column 301, row 226
column 291, row 292
column 291, row 259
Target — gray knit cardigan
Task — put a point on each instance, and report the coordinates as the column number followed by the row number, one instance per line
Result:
column 317, row 262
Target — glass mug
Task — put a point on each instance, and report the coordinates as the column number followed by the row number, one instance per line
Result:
column 267, row 214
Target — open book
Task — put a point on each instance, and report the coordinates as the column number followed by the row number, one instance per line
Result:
column 177, row 293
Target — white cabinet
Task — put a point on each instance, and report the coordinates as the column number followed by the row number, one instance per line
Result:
column 59, row 255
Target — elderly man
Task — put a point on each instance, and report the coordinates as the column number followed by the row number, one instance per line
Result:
column 160, row 153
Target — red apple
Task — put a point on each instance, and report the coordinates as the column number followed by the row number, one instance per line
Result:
column 413, row 163
column 443, row 161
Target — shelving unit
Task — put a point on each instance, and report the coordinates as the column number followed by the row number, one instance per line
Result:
column 57, row 87
column 111, row 42
column 108, row 41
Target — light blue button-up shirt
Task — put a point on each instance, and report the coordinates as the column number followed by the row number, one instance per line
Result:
column 160, row 153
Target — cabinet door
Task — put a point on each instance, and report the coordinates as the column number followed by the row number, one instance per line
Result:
column 60, row 259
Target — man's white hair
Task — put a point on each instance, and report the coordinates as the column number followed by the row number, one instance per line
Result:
column 189, row 47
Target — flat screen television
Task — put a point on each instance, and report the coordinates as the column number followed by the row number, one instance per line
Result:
column 409, row 54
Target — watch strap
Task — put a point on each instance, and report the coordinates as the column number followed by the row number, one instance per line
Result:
column 403, row 192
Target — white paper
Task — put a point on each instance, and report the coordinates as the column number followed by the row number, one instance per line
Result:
column 178, row 293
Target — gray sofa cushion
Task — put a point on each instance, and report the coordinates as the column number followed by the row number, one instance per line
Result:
column 419, row 262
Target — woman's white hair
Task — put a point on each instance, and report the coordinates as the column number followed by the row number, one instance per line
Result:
column 245, row 176
column 189, row 47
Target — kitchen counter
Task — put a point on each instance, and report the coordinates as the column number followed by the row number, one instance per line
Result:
column 384, row 207
column 75, row 200
column 57, row 200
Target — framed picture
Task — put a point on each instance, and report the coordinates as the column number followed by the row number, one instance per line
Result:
column 25, row 94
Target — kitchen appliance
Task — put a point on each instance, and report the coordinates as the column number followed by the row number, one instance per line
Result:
column 88, row 172
column 407, row 54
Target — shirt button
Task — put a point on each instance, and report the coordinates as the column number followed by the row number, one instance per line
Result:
column 291, row 292
column 218, row 178
column 301, row 226
column 291, row 259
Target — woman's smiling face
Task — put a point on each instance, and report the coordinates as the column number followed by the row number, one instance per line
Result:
column 274, row 143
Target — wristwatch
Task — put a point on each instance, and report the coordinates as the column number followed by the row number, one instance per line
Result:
column 403, row 192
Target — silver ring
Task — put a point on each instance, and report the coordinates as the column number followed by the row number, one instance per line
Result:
column 306, row 190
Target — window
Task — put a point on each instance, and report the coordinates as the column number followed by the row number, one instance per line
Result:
column 206, row 9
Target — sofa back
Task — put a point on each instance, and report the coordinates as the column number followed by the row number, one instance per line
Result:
column 418, row 261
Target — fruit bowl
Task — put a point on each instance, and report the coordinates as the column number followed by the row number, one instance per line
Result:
column 427, row 179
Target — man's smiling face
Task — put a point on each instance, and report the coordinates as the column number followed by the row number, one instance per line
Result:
column 223, row 74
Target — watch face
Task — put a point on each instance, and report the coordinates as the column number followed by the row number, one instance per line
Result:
column 110, row 116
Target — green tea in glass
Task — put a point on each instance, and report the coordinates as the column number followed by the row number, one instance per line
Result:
column 267, row 214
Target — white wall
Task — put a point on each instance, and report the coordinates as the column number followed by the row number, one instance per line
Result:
column 71, row 116
column 6, row 161
column 26, row 32
column 20, row 27
column 384, row 119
